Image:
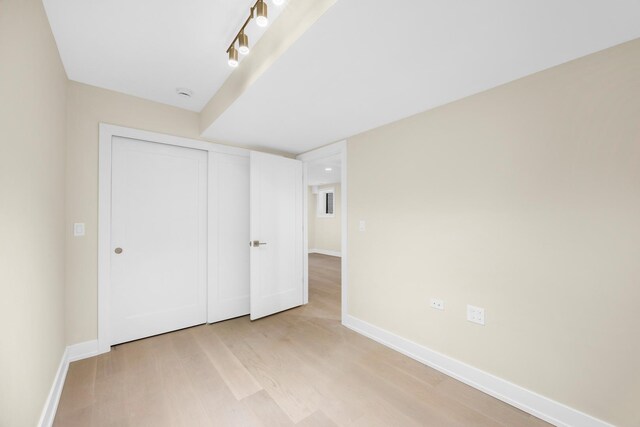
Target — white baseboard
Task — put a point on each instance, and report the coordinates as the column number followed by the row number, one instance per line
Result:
column 542, row 407
column 82, row 350
column 51, row 404
column 325, row 252
column 71, row 354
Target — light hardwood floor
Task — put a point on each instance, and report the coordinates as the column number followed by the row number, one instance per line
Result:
column 300, row 367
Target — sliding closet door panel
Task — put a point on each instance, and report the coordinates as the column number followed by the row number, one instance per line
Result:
column 229, row 234
column 159, row 239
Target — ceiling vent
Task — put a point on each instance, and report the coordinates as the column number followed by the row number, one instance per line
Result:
column 184, row 93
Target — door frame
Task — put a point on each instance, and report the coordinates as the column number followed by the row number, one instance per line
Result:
column 317, row 154
column 106, row 134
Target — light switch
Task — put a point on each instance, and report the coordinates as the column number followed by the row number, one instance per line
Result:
column 78, row 229
column 362, row 226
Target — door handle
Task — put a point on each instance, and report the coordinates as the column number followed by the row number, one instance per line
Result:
column 256, row 243
column 118, row 251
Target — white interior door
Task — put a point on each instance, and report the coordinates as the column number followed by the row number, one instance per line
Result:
column 276, row 232
column 158, row 239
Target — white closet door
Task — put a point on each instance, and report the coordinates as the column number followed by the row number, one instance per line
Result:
column 158, row 240
column 229, row 234
column 276, row 233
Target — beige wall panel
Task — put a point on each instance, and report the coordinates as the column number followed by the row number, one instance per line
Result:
column 32, row 227
column 311, row 218
column 524, row 200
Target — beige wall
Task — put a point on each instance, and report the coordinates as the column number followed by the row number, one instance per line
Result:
column 325, row 233
column 312, row 203
column 87, row 106
column 524, row 200
column 32, row 161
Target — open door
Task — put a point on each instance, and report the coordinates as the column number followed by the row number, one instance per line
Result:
column 276, row 215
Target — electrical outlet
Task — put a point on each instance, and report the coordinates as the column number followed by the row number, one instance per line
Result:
column 475, row 314
column 362, row 226
column 436, row 303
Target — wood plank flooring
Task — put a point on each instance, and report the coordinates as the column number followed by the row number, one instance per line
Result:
column 300, row 367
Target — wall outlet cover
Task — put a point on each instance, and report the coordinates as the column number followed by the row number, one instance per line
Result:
column 436, row 303
column 475, row 314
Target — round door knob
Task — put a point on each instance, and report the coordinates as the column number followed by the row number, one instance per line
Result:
column 118, row 251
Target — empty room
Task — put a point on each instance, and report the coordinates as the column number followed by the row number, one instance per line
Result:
column 320, row 213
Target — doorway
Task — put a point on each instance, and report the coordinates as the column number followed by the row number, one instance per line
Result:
column 325, row 179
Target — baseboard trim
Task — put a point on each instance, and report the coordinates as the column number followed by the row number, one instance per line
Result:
column 51, row 404
column 542, row 407
column 72, row 353
column 325, row 252
column 82, row 350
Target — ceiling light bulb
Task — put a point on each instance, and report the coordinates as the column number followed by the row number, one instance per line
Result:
column 243, row 41
column 278, row 2
column 233, row 57
column 261, row 12
column 328, row 169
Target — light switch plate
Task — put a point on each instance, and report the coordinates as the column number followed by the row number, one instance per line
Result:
column 78, row 229
column 475, row 314
column 362, row 226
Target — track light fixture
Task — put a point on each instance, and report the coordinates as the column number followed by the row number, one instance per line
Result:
column 258, row 11
column 261, row 10
column 233, row 57
column 243, row 43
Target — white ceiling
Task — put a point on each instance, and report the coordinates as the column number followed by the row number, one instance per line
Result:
column 317, row 173
column 149, row 48
column 365, row 64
